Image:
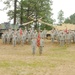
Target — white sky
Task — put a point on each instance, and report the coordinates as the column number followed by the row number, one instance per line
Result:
column 3, row 15
column 68, row 7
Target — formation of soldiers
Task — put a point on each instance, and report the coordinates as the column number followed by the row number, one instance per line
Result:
column 63, row 37
column 30, row 36
column 21, row 36
column 14, row 36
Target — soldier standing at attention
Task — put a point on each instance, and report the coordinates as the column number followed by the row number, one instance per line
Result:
column 62, row 39
column 14, row 39
column 74, row 36
column 29, row 37
column 44, row 33
column 34, row 44
column 3, row 37
column 68, row 38
column 40, row 43
column 52, row 37
column 41, row 46
column 20, row 31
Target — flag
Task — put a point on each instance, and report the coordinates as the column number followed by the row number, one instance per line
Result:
column 66, row 30
column 20, row 31
column 38, row 40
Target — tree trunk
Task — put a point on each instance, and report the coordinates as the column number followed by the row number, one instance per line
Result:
column 15, row 6
column 27, row 17
column 21, row 16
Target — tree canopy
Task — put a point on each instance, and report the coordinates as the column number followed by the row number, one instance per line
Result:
column 25, row 9
column 61, row 16
column 71, row 19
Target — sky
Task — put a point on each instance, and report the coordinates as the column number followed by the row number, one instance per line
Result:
column 3, row 15
column 67, row 6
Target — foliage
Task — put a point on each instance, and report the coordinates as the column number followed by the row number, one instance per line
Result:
column 45, row 26
column 67, row 20
column 71, row 19
column 26, row 9
column 61, row 16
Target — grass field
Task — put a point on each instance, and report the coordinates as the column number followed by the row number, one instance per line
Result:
column 55, row 60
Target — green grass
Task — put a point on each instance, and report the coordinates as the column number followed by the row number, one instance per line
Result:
column 19, row 61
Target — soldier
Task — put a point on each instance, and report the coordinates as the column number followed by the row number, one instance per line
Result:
column 58, row 36
column 34, row 44
column 29, row 37
column 41, row 46
column 44, row 33
column 68, row 38
column 35, row 34
column 9, row 36
column 74, row 36
column 71, row 33
column 20, row 31
column 41, row 33
column 62, row 39
column 23, row 38
column 18, row 37
column 3, row 37
column 14, row 39
column 52, row 36
column 31, row 33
